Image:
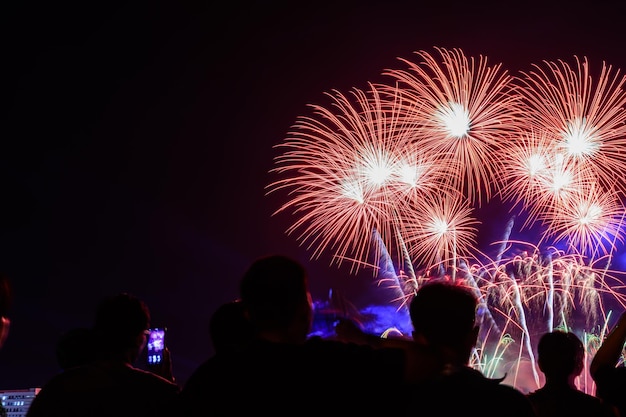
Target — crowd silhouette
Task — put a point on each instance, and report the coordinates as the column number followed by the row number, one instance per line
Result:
column 266, row 361
column 75, row 347
column 280, row 369
column 109, row 384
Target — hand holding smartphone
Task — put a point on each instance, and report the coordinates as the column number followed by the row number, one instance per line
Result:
column 159, row 359
column 156, row 345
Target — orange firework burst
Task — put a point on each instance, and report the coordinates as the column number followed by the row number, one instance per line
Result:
column 526, row 172
column 442, row 232
column 350, row 172
column 560, row 184
column 586, row 120
column 467, row 113
column 591, row 222
column 452, row 128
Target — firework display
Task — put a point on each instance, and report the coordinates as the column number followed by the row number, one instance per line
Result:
column 394, row 175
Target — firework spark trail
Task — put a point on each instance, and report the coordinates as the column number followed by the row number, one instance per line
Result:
column 480, row 359
column 517, row 303
column 388, row 273
column 484, row 312
column 549, row 304
column 503, row 244
column 532, row 280
column 408, row 265
column 505, row 239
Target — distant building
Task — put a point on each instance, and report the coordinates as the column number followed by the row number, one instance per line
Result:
column 17, row 401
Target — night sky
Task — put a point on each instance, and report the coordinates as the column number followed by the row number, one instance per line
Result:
column 137, row 139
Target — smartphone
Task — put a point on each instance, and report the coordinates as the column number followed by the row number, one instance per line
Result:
column 156, row 344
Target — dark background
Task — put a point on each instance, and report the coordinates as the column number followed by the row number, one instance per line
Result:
column 137, row 139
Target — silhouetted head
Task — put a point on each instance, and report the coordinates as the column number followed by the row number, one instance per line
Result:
column 76, row 347
column 121, row 324
column 6, row 298
column 229, row 327
column 561, row 355
column 275, row 294
column 443, row 315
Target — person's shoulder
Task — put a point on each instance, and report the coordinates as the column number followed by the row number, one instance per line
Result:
column 536, row 394
column 571, row 402
column 509, row 390
column 215, row 368
column 500, row 393
column 513, row 399
column 594, row 404
column 502, row 399
column 141, row 376
column 59, row 391
column 354, row 352
column 609, row 377
column 319, row 344
column 74, row 379
column 356, row 360
column 610, row 371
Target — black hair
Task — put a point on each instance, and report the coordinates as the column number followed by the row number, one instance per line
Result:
column 119, row 320
column 444, row 312
column 273, row 289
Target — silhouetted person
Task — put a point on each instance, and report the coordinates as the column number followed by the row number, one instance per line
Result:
column 230, row 333
column 610, row 378
column 6, row 298
column 110, row 385
column 229, row 328
column 443, row 314
column 76, row 347
column 561, row 357
column 284, row 372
